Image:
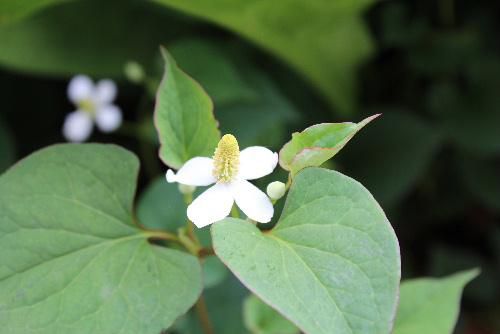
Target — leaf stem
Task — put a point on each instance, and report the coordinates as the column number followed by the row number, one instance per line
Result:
column 162, row 235
column 192, row 245
column 201, row 310
column 288, row 182
column 207, row 251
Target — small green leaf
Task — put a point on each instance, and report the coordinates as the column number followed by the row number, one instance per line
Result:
column 260, row 318
column 317, row 144
column 72, row 259
column 325, row 41
column 445, row 259
column 331, row 263
column 184, row 117
column 429, row 305
column 6, row 148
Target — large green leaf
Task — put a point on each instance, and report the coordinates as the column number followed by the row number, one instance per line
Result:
column 93, row 37
column 72, row 259
column 325, row 41
column 317, row 144
column 445, row 259
column 430, row 305
column 260, row 318
column 11, row 10
column 184, row 117
column 390, row 156
column 6, row 147
column 161, row 207
column 331, row 263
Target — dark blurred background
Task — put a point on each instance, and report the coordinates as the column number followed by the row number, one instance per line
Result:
column 432, row 160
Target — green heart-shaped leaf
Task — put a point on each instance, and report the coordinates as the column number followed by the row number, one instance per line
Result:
column 430, row 305
column 318, row 143
column 183, row 117
column 72, row 260
column 332, row 262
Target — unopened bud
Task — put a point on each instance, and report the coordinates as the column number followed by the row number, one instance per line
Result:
column 276, row 190
column 185, row 189
column 134, row 72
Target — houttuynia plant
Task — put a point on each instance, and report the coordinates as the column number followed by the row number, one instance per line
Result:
column 317, row 251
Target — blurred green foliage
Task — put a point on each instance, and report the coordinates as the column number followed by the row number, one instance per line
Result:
column 11, row 10
column 310, row 35
column 93, row 37
column 432, row 159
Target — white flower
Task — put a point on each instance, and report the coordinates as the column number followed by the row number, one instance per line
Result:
column 229, row 170
column 94, row 104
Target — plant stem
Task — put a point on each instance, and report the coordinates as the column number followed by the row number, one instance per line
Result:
column 207, row 251
column 201, row 310
column 288, row 182
column 192, row 245
column 157, row 234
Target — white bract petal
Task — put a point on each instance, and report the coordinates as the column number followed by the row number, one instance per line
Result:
column 252, row 201
column 256, row 162
column 108, row 118
column 77, row 126
column 195, row 172
column 213, row 205
column 229, row 169
column 80, row 88
column 105, row 91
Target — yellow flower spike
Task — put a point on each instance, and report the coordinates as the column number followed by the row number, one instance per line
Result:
column 226, row 159
column 87, row 105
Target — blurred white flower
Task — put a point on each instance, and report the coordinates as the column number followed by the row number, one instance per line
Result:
column 229, row 170
column 94, row 103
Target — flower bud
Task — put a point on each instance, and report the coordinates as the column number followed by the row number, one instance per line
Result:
column 276, row 190
column 134, row 72
column 185, row 189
